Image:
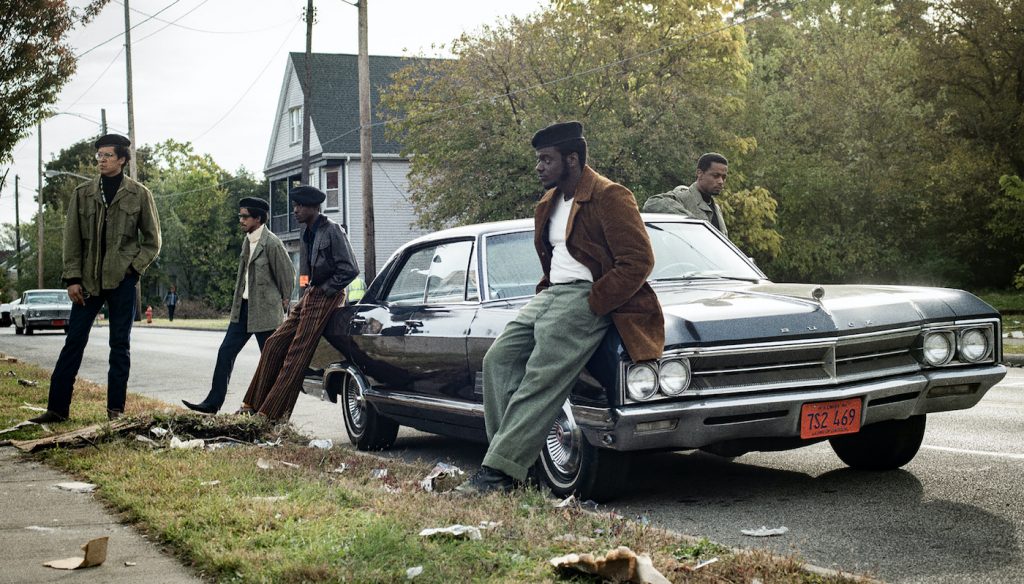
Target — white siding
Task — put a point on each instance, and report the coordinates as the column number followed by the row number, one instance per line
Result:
column 283, row 149
column 392, row 211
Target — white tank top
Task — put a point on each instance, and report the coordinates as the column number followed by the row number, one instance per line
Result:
column 564, row 267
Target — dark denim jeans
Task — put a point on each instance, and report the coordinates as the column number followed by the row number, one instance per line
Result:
column 121, row 302
column 234, row 340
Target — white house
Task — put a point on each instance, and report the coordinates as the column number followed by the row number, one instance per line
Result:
column 334, row 154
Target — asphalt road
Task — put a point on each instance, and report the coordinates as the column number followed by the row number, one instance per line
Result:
column 954, row 514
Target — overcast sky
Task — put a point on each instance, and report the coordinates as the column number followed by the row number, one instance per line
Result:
column 213, row 77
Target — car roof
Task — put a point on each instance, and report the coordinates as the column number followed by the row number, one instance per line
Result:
column 478, row 229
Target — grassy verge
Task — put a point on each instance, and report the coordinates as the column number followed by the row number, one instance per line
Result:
column 305, row 522
column 204, row 324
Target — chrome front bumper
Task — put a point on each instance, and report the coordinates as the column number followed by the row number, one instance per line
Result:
column 695, row 424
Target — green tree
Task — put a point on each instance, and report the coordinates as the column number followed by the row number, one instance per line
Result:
column 198, row 221
column 846, row 146
column 35, row 60
column 655, row 83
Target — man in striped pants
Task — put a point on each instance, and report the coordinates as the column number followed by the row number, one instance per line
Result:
column 326, row 267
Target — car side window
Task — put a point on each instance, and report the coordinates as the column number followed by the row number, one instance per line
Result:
column 411, row 280
column 513, row 268
column 446, row 282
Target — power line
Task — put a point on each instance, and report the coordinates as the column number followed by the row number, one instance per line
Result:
column 175, row 23
column 102, row 73
column 120, row 34
column 251, row 85
column 169, row 23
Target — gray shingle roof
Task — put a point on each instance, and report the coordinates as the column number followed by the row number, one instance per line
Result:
column 335, row 101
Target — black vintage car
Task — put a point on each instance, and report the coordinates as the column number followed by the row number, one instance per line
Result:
column 748, row 364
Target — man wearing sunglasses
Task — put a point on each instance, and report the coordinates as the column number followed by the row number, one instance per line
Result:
column 262, row 290
column 112, row 234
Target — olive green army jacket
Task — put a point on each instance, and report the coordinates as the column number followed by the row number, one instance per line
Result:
column 684, row 200
column 132, row 234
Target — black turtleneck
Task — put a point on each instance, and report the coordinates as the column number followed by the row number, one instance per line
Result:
column 110, row 185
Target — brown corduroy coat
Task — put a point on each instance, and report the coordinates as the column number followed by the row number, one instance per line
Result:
column 605, row 234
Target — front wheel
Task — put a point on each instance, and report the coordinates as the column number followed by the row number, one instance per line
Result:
column 572, row 466
column 28, row 329
column 19, row 330
column 882, row 446
column 366, row 429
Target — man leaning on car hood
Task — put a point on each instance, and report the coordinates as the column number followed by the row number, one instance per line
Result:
column 596, row 258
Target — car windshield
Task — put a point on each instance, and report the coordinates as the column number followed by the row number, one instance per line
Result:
column 682, row 251
column 692, row 251
column 49, row 297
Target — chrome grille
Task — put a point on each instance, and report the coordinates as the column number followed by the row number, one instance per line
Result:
column 802, row 364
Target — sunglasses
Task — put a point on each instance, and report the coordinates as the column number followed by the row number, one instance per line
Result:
column 244, row 216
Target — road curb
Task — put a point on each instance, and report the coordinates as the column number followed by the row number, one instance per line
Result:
column 1013, row 360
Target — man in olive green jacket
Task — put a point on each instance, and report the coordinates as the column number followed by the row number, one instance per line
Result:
column 698, row 199
column 263, row 287
column 111, row 235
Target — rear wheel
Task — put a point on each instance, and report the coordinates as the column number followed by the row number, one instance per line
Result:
column 572, row 466
column 882, row 446
column 366, row 429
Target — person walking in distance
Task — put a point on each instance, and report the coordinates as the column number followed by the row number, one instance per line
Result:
column 263, row 288
column 171, row 300
column 111, row 235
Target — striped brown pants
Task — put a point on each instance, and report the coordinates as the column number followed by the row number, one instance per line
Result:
column 275, row 387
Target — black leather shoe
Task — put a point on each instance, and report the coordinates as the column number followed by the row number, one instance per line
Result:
column 199, row 407
column 48, row 418
column 486, row 480
column 114, row 414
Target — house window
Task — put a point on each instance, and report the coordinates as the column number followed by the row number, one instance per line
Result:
column 295, row 121
column 332, row 189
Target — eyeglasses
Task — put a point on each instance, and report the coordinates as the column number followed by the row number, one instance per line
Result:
column 244, row 216
column 105, row 155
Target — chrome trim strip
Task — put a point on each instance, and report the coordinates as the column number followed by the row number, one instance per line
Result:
column 425, row 402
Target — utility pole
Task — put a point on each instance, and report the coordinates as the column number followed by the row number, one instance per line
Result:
column 131, row 104
column 103, row 122
column 39, row 215
column 307, row 92
column 366, row 151
column 17, row 223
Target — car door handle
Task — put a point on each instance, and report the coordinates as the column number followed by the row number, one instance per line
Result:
column 357, row 320
column 413, row 324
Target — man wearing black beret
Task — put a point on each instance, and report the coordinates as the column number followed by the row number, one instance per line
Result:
column 263, row 288
column 596, row 257
column 111, row 235
column 326, row 266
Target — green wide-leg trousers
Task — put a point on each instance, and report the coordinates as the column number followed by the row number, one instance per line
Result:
column 530, row 370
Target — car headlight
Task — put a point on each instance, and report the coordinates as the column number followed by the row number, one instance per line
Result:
column 641, row 382
column 937, row 348
column 974, row 345
column 674, row 376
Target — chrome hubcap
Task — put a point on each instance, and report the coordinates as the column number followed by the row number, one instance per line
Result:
column 354, row 404
column 563, row 444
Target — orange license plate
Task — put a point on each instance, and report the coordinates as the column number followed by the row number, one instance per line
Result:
column 830, row 418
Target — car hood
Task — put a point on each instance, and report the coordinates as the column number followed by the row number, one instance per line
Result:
column 727, row 312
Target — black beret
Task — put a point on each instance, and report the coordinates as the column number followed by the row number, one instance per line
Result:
column 254, row 203
column 112, row 140
column 307, row 195
column 557, row 134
